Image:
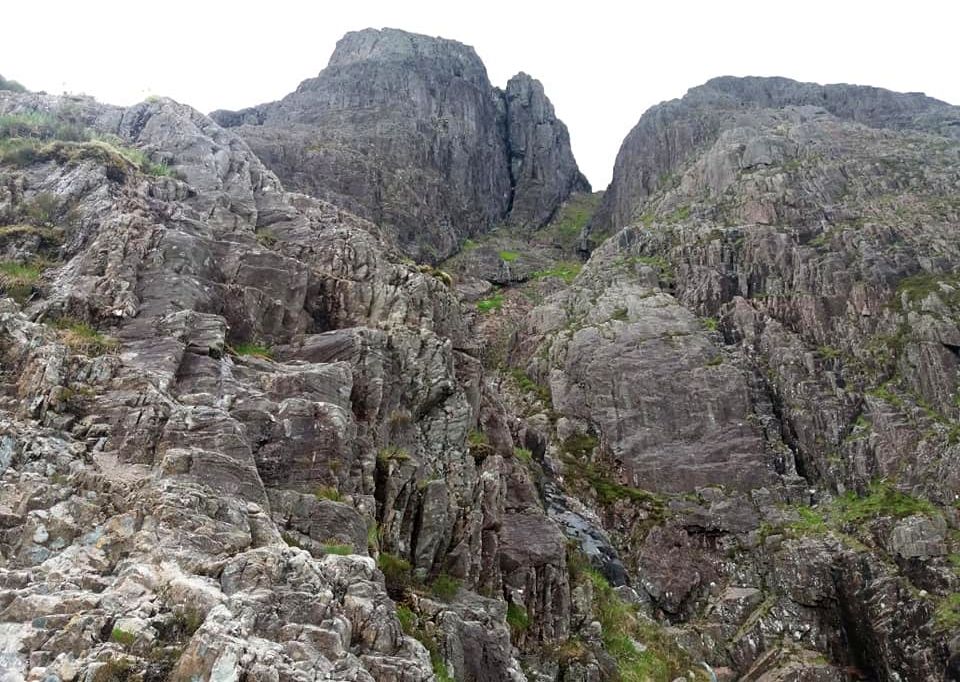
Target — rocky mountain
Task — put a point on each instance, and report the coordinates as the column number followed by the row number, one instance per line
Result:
column 406, row 130
column 242, row 436
column 647, row 159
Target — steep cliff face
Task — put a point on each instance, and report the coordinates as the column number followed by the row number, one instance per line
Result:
column 242, row 437
column 407, row 131
column 219, row 402
column 669, row 135
column 767, row 351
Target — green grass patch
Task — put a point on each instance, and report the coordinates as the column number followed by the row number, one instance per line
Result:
column 17, row 280
column 392, row 453
column 445, row 587
column 710, row 324
column 326, row 492
column 249, row 348
column 947, row 616
column 882, row 499
column 490, row 304
column 660, row 660
column 811, row 522
column 828, row 352
column 83, row 338
column 523, row 454
column 528, row 385
column 517, row 618
column 918, row 287
column 567, row 225
column 408, row 619
column 37, row 136
column 339, row 550
column 509, row 256
column 886, row 394
column 579, row 445
column 397, row 574
column 679, row 215
column 476, row 437
column 565, row 270
column 122, row 637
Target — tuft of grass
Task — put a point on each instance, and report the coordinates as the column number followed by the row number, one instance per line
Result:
column 517, row 618
column 487, row 305
column 509, row 256
column 567, row 225
column 41, row 126
column 565, row 270
column 440, row 671
column 397, row 574
column 17, row 280
column 265, row 238
column 445, row 587
column 478, row 444
column 339, row 550
column 828, row 352
column 445, row 277
column 528, row 385
column 407, row 618
column 188, row 619
column 710, row 324
column 35, row 136
column 947, row 616
column 249, row 348
column 523, row 454
column 83, row 338
column 292, row 540
column 658, row 660
column 477, row 438
column 392, row 453
column 579, row 445
column 885, row 394
column 811, row 522
column 882, row 499
column 326, row 492
column 122, row 637
column 715, row 361
column 918, row 287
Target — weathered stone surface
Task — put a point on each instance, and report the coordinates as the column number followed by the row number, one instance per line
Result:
column 648, row 160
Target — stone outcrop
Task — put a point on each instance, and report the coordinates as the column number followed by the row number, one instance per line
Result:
column 755, row 378
column 220, row 403
column 670, row 135
column 407, row 131
column 243, row 437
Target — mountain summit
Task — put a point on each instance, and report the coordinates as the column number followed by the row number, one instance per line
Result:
column 406, row 130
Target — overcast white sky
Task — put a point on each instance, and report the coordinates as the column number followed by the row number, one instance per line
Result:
column 602, row 63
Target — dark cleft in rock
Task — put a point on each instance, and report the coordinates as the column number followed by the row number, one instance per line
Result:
column 406, row 130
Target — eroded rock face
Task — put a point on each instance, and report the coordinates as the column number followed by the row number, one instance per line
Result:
column 769, row 343
column 671, row 134
column 242, row 437
column 219, row 400
column 406, row 130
